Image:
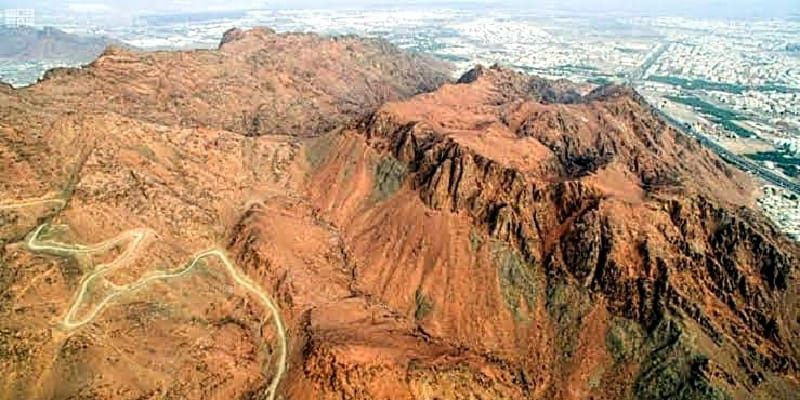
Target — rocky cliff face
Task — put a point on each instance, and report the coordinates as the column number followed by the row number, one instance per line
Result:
column 614, row 219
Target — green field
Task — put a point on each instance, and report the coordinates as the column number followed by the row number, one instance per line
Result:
column 576, row 68
column 735, row 88
column 599, row 80
column 789, row 165
column 719, row 115
column 451, row 57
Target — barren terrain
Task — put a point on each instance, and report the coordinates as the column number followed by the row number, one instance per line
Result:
column 300, row 217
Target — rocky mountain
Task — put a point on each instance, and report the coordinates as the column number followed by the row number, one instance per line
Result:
column 290, row 217
column 27, row 52
column 25, row 43
column 256, row 83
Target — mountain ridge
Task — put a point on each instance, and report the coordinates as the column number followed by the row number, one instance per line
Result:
column 501, row 236
column 264, row 100
column 49, row 43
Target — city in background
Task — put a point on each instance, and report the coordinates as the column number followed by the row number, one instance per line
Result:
column 733, row 83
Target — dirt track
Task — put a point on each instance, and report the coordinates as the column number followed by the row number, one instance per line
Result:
column 136, row 238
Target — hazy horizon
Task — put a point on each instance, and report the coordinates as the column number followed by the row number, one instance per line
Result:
column 703, row 8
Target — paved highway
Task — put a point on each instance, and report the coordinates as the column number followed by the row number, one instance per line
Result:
column 738, row 161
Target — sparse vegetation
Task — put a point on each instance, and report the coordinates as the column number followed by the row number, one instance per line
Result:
column 475, row 240
column 145, row 152
column 389, row 175
column 201, row 269
column 317, row 149
column 623, row 339
column 673, row 369
column 567, row 304
column 517, row 280
column 424, row 305
column 350, row 162
column 143, row 313
column 596, row 378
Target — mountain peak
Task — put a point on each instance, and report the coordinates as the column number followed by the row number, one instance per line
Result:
column 517, row 84
column 236, row 34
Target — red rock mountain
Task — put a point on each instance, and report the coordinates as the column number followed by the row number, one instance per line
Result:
column 257, row 82
column 285, row 218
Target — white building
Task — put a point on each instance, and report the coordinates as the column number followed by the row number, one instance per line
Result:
column 18, row 17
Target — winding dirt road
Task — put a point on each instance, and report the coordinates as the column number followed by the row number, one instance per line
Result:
column 28, row 203
column 136, row 238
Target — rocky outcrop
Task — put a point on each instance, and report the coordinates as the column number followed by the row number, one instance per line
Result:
column 502, row 237
column 680, row 255
column 519, row 85
column 234, row 34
